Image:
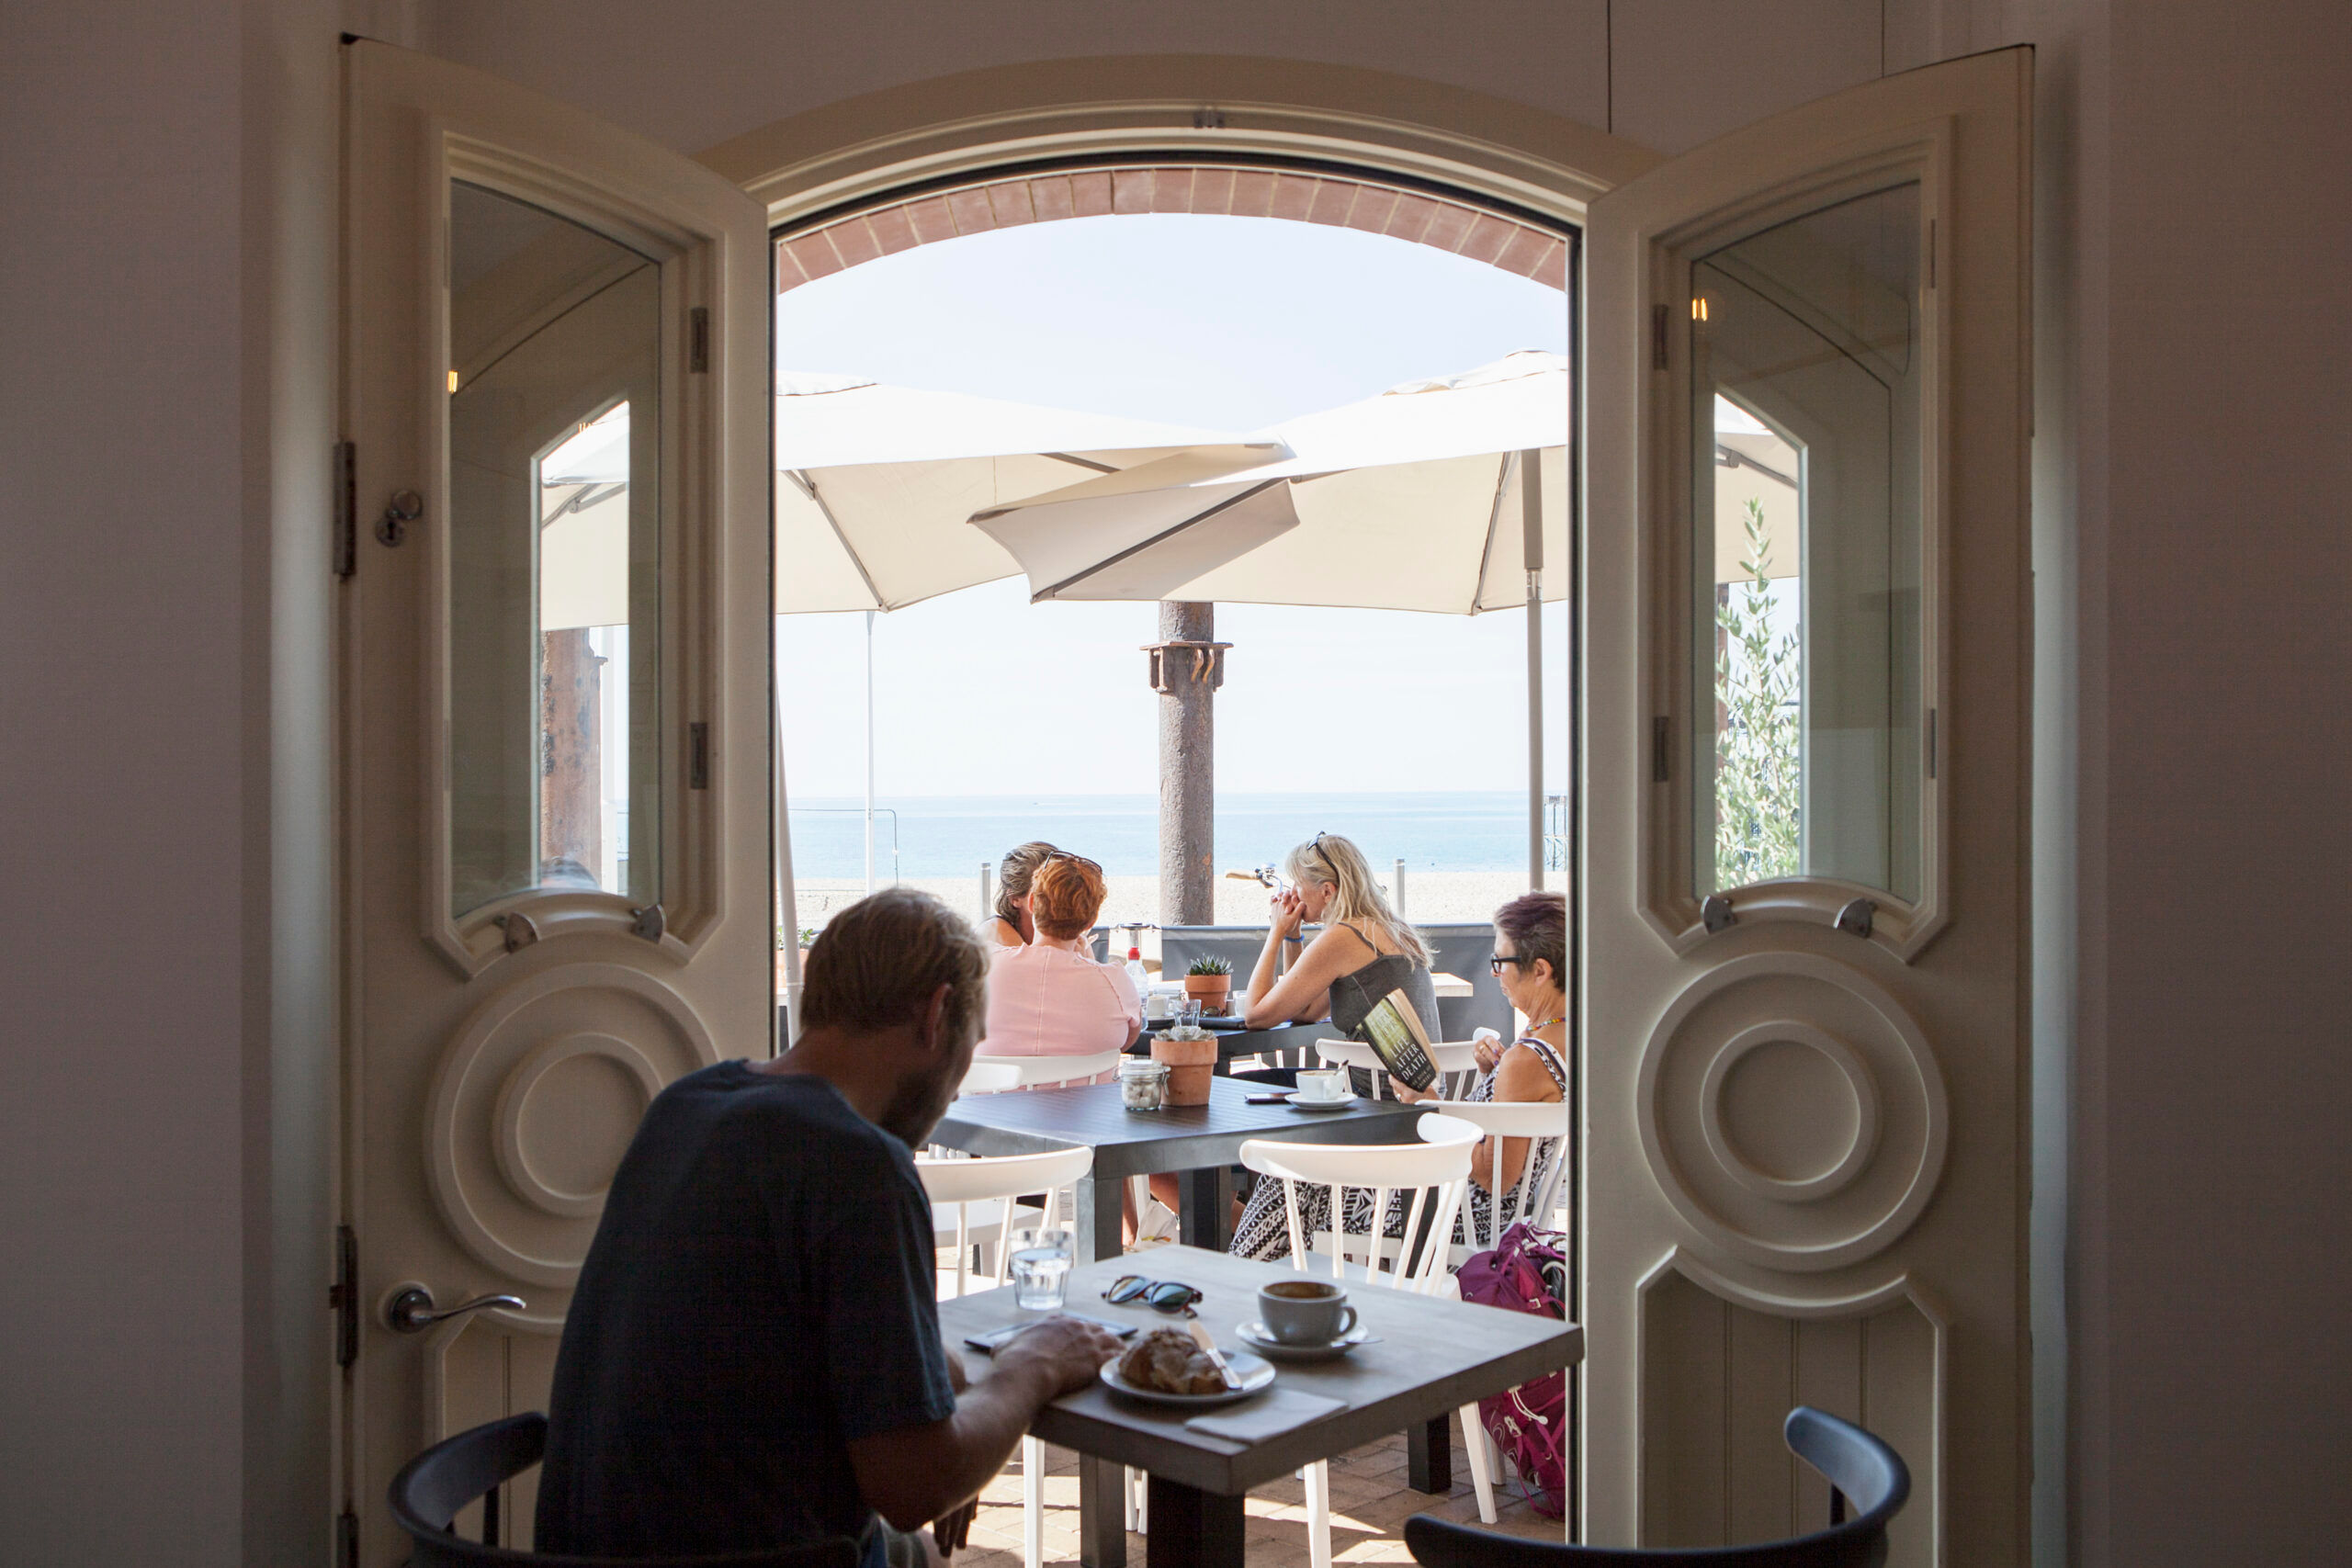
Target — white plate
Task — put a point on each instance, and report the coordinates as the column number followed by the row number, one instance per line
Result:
column 1253, row 1371
column 1254, row 1334
column 1304, row 1102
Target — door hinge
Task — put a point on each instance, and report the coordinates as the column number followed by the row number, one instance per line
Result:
column 347, row 1538
column 343, row 1296
column 346, row 508
column 1660, row 318
column 698, row 755
column 698, row 342
column 1661, row 750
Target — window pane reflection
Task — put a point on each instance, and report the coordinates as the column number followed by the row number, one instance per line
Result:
column 554, row 556
column 1805, row 481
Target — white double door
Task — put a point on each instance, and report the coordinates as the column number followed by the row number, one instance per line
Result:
column 1802, row 893
column 1807, row 655
column 555, row 715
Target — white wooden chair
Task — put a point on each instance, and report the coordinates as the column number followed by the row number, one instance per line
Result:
column 1031, row 1071
column 1456, row 1061
column 989, row 1077
column 1436, row 1171
column 1544, row 1123
column 998, row 1180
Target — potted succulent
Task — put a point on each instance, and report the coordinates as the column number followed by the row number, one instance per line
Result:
column 1209, row 981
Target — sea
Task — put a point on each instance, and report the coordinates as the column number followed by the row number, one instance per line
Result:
column 953, row 835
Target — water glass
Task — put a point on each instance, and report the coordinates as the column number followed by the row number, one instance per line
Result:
column 1188, row 1012
column 1040, row 1269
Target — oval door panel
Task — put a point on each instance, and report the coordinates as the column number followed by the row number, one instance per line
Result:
column 534, row 1102
column 1792, row 1112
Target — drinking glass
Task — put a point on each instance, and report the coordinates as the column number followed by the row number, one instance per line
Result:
column 1188, row 1012
column 1040, row 1269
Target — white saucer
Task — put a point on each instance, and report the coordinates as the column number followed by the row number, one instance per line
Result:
column 1254, row 1334
column 1302, row 1102
column 1251, row 1370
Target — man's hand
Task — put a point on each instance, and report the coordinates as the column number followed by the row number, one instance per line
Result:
column 1067, row 1351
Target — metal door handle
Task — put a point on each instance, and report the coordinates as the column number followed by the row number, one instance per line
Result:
column 411, row 1309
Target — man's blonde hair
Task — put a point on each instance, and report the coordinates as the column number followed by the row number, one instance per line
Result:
column 877, row 964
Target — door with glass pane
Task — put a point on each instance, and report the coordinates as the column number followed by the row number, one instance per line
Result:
column 555, row 740
column 1805, row 598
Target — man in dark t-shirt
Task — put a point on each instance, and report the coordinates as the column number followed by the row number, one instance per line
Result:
column 752, row 1358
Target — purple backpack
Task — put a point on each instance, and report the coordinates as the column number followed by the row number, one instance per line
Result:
column 1527, row 1272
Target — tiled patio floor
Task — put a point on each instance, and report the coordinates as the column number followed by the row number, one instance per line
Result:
column 1370, row 1503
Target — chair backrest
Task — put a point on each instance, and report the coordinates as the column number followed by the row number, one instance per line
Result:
column 989, row 1077
column 1545, row 1124
column 1029, row 1070
column 1001, row 1175
column 961, row 1183
column 1858, row 1464
column 1453, row 1059
column 1435, row 1170
column 433, row 1488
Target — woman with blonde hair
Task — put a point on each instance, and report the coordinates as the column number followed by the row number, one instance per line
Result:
column 1050, row 998
column 1363, row 952
column 1012, row 925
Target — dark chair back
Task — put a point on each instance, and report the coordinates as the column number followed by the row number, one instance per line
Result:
column 1861, row 1470
column 1462, row 950
column 431, row 1488
column 1238, row 945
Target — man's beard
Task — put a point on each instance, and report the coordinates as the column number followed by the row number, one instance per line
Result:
column 916, row 1107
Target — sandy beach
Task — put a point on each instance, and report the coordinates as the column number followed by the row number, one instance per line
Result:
column 1438, row 897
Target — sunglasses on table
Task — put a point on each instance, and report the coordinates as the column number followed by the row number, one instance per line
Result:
column 1161, row 1295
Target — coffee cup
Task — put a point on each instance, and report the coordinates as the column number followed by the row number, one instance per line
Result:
column 1304, row 1312
column 1325, row 1085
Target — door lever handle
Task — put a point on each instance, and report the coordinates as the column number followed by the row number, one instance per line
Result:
column 410, row 1311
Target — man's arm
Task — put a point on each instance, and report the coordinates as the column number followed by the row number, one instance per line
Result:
column 914, row 1475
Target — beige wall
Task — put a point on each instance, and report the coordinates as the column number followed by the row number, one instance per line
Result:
column 164, row 1012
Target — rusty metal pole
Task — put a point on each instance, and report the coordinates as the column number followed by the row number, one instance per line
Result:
column 1187, row 667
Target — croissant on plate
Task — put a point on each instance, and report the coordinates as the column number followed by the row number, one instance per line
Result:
column 1168, row 1361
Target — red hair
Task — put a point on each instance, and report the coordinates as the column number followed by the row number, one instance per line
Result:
column 1065, row 895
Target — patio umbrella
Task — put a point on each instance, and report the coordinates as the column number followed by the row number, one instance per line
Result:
column 873, row 482
column 1445, row 495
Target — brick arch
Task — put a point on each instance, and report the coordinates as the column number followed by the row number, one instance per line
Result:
column 1286, row 194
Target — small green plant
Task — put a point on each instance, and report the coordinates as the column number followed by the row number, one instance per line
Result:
column 808, row 935
column 1210, row 963
column 1759, row 757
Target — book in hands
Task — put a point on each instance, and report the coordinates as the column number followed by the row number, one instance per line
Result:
column 1393, row 1029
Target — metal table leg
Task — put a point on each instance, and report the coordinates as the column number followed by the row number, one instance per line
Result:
column 1102, row 1512
column 1429, row 1455
column 1099, row 1234
column 1206, row 1220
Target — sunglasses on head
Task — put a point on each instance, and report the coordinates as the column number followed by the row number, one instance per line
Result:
column 1161, row 1295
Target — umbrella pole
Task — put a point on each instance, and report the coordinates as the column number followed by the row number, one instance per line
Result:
column 1530, row 512
column 1187, row 667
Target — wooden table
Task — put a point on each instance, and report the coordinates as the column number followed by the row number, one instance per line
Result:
column 1435, row 1356
column 1201, row 1143
column 1451, row 986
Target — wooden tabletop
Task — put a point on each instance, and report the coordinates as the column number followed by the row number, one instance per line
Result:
column 1434, row 1356
column 1143, row 1143
column 1450, row 986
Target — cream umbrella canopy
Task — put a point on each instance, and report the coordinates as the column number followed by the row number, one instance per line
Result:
column 873, row 482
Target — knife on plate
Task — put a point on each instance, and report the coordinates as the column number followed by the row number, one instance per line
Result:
column 1207, row 1342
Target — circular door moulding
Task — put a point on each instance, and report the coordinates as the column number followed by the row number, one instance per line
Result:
column 1792, row 1112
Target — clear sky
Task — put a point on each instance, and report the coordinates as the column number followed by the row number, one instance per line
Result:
column 1227, row 323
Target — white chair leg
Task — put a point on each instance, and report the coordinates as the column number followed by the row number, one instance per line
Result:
column 1318, row 1515
column 1482, row 1461
column 1033, row 1503
column 1143, row 1501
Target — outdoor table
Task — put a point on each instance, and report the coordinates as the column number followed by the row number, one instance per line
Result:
column 1201, row 1143
column 1435, row 1355
column 1450, row 986
column 1234, row 1044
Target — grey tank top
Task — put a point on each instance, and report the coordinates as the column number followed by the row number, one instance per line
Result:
column 1353, row 995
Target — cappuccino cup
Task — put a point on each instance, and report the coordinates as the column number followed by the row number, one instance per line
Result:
column 1304, row 1312
column 1326, row 1085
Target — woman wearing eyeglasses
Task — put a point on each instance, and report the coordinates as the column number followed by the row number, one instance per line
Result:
column 1050, row 997
column 1530, row 960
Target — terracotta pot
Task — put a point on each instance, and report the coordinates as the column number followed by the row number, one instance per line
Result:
column 1211, row 990
column 1191, row 1065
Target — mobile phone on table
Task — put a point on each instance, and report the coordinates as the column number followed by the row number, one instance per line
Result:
column 986, row 1344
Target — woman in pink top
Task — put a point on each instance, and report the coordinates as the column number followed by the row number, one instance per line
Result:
column 1050, row 998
